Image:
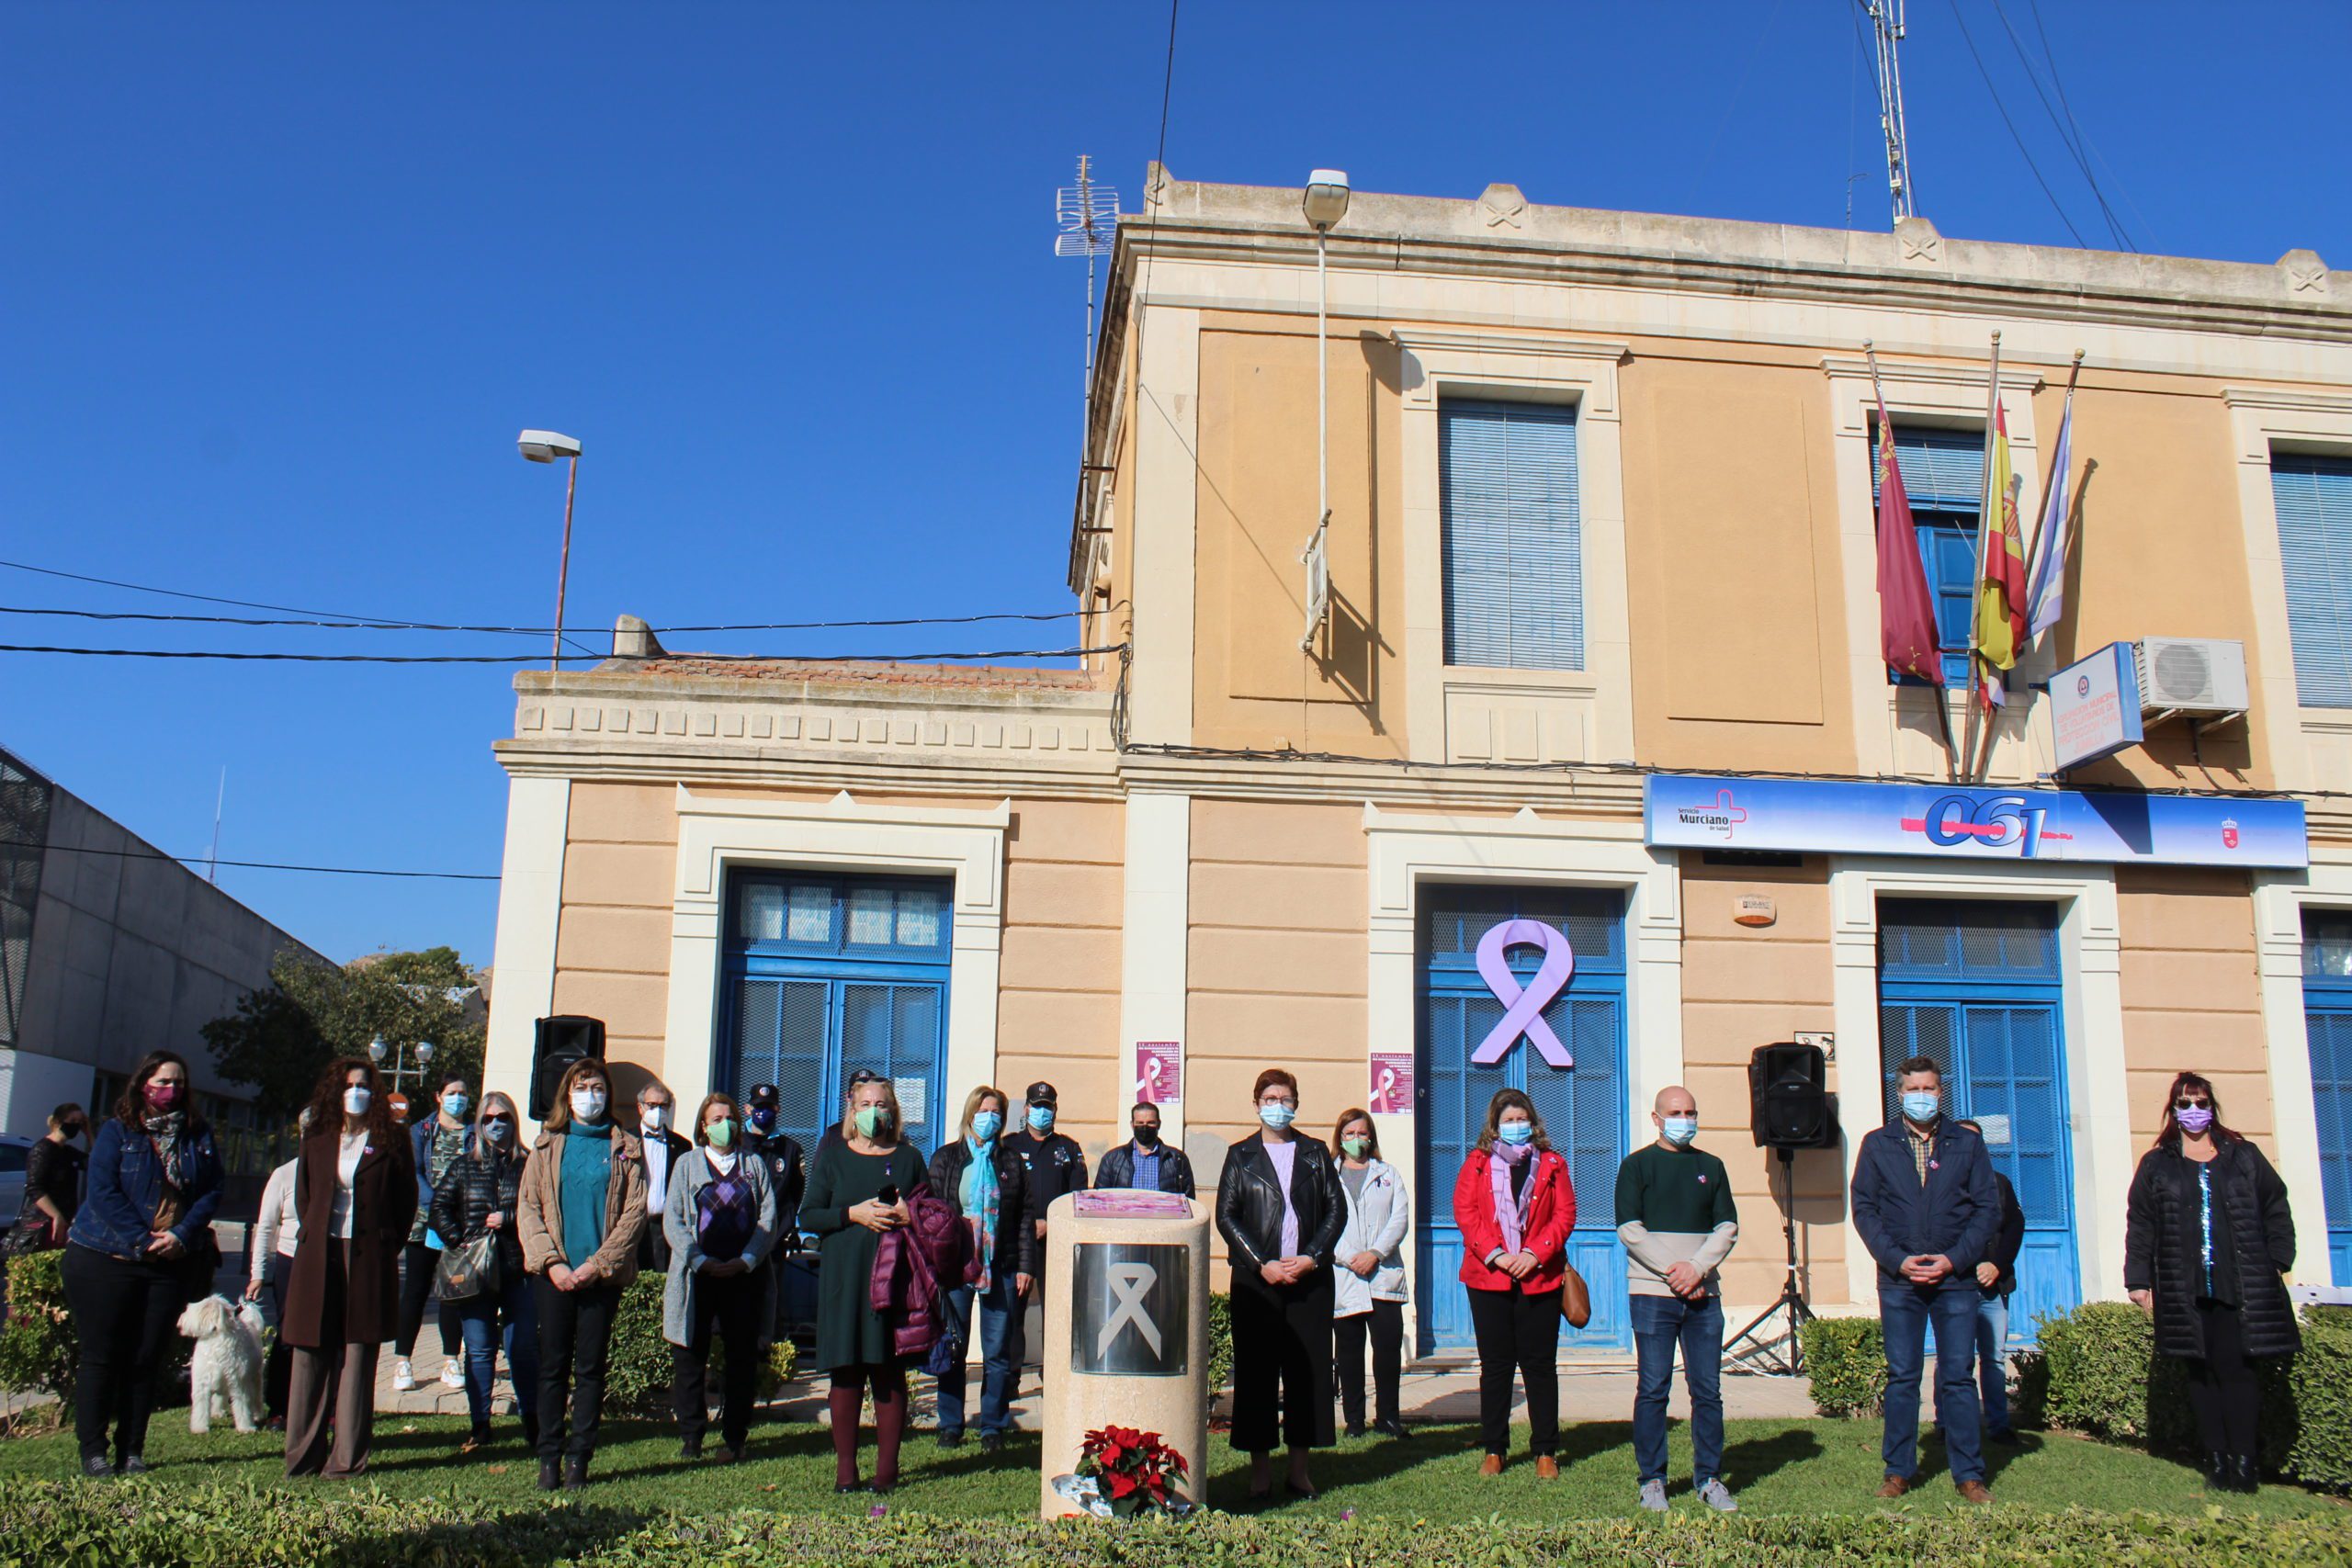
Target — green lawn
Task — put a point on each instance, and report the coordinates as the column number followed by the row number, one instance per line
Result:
column 1807, row 1467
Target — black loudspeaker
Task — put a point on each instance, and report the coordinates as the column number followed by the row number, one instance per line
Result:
column 560, row 1042
column 1790, row 1105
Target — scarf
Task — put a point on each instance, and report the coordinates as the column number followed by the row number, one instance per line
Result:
column 169, row 1131
column 1511, row 1212
column 978, row 1199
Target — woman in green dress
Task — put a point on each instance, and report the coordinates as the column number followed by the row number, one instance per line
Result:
column 844, row 1209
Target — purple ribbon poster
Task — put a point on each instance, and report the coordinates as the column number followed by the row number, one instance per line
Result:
column 1159, row 1072
column 1523, row 1006
column 1391, row 1083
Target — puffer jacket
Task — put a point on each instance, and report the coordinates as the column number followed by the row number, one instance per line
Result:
column 2159, row 1255
column 541, row 1202
column 483, row 1181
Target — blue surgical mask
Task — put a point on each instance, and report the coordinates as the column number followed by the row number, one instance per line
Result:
column 987, row 1125
column 1516, row 1134
column 1040, row 1118
column 764, row 1120
column 453, row 1106
column 1276, row 1115
column 1921, row 1106
column 1681, row 1130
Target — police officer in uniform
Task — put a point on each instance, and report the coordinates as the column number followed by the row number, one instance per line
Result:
column 788, row 1171
column 1056, row 1164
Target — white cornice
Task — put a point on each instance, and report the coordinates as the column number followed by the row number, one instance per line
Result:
column 2287, row 398
column 1536, row 346
column 2020, row 380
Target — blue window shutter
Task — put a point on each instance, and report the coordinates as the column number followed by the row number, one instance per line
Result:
column 1943, row 477
column 1513, row 548
column 2314, row 496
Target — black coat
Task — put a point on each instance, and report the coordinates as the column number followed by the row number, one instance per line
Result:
column 788, row 1173
column 483, row 1182
column 1016, row 1238
column 1249, row 1203
column 2163, row 1246
column 1118, row 1169
column 2007, row 1241
column 1056, row 1167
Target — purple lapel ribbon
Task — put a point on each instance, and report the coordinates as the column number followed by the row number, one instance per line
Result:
column 1523, row 1007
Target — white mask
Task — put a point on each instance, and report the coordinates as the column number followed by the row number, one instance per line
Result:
column 356, row 1099
column 588, row 1104
column 657, row 1118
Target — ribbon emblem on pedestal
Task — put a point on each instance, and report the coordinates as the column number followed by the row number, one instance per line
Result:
column 1523, row 1006
column 1130, row 1283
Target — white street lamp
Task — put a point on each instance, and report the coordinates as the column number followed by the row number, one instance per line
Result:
column 546, row 446
column 1326, row 203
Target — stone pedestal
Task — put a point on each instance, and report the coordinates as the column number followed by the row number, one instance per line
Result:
column 1126, row 1329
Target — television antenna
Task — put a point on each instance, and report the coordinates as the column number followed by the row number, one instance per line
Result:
column 1886, row 29
column 1087, row 216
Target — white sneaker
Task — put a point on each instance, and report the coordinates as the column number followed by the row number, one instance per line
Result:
column 453, row 1374
column 1717, row 1495
column 403, row 1377
column 1654, row 1496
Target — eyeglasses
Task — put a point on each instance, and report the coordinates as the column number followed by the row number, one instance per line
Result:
column 500, row 1120
column 2191, row 1102
column 865, row 1076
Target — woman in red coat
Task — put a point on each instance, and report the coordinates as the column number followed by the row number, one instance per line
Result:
column 1515, row 1207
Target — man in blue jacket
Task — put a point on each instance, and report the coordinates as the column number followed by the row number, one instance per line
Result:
column 1927, row 1208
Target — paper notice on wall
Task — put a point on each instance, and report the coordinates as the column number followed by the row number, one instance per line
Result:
column 914, row 1099
column 1391, row 1084
column 1997, row 1128
column 1159, row 1072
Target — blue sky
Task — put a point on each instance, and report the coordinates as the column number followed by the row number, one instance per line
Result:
column 278, row 284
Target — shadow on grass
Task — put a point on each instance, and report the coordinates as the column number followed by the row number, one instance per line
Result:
column 1334, row 1469
column 1747, row 1463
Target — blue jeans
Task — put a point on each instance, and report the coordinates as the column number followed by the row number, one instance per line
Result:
column 1993, row 1362
column 512, row 1314
column 1000, row 1347
column 1905, row 1312
column 1660, row 1323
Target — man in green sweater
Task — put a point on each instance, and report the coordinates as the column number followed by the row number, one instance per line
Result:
column 1676, row 1219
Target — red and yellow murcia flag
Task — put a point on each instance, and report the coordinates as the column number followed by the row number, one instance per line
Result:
column 2000, row 590
column 1906, row 612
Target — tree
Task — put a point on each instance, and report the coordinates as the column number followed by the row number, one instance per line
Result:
column 283, row 1035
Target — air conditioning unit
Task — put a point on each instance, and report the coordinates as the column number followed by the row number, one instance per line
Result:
column 2191, row 674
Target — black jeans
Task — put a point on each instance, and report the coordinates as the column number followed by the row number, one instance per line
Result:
column 732, row 1305
column 575, row 1343
column 2225, row 1388
column 1385, row 1324
column 275, row 1370
column 1282, row 1362
column 127, row 1315
column 1518, row 1334
column 418, row 1265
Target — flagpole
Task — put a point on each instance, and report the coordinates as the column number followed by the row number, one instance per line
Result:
column 1976, row 588
column 2041, row 540
column 1886, row 434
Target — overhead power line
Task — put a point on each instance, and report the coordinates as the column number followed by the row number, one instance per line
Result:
column 2002, row 109
column 270, row 865
column 367, row 626
column 927, row 657
column 2114, row 224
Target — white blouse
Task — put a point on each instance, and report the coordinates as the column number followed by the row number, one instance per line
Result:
column 347, row 1165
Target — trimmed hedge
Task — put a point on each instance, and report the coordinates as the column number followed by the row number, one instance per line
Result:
column 81, row 1525
column 1845, row 1362
column 41, row 1351
column 640, row 1378
column 2320, row 1388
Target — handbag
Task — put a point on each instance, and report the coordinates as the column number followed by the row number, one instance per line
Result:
column 469, row 1269
column 33, row 1233
column 1576, row 1297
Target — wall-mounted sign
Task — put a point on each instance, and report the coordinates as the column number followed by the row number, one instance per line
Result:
column 1754, row 909
column 1523, row 1005
column 1391, row 1083
column 1159, row 1072
column 1709, row 812
column 2094, row 707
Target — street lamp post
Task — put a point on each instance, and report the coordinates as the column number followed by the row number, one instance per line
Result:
column 399, row 1070
column 546, row 446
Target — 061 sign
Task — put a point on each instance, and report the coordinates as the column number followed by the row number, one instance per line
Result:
column 1994, row 823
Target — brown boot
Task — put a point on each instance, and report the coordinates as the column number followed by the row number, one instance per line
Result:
column 1975, row 1492
column 1546, row 1468
column 1893, row 1486
column 1491, row 1465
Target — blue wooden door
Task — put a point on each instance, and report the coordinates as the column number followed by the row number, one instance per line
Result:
column 1583, row 1109
column 2327, row 1019
column 1977, row 988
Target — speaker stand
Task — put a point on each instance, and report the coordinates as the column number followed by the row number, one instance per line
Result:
column 1786, row 1363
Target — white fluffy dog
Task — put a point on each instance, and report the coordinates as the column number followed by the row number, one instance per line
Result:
column 224, row 1374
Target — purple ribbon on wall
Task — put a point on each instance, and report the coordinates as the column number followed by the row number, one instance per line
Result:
column 1523, row 1007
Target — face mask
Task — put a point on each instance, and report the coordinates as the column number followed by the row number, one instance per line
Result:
column 719, row 1135
column 498, row 1132
column 764, row 1121
column 873, row 1121
column 588, row 1104
column 1516, row 1134
column 1040, row 1118
column 1921, row 1106
column 1147, row 1136
column 987, row 1125
column 1276, row 1115
column 2195, row 1119
column 1356, row 1148
column 356, row 1099
column 453, row 1106
column 1681, row 1130
column 657, row 1117
column 163, row 1096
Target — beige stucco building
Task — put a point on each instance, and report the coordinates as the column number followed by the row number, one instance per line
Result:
column 1244, row 854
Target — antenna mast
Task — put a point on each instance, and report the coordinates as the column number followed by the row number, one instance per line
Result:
column 1886, row 29
column 1088, row 217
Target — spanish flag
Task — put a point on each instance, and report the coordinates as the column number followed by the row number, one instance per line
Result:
column 2001, row 591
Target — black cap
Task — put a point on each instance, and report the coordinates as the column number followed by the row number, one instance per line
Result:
column 762, row 1097
column 1043, row 1094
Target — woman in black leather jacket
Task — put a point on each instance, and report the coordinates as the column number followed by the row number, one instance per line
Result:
column 479, row 1193
column 1280, row 1208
